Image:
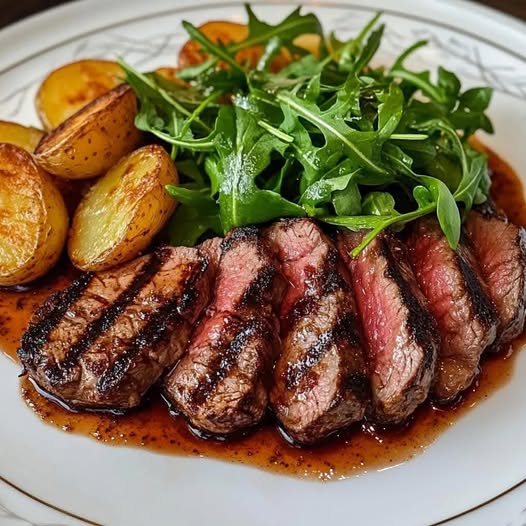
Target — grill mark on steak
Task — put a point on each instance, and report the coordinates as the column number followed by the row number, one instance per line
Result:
column 226, row 359
column 252, row 295
column 49, row 315
column 418, row 320
column 483, row 308
column 345, row 328
column 153, row 331
column 58, row 372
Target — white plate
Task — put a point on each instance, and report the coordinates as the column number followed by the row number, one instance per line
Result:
column 476, row 460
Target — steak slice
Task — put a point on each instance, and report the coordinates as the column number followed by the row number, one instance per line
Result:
column 106, row 339
column 458, row 301
column 320, row 380
column 221, row 385
column 400, row 333
column 500, row 249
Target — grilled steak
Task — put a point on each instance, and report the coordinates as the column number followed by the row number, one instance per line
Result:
column 106, row 339
column 221, row 385
column 458, row 301
column 320, row 380
column 500, row 248
column 400, row 333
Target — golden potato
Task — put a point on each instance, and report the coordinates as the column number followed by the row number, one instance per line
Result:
column 123, row 210
column 228, row 32
column 90, row 142
column 23, row 136
column 310, row 42
column 217, row 31
column 33, row 218
column 171, row 75
column 69, row 88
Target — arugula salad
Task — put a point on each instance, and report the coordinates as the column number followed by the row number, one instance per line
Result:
column 335, row 135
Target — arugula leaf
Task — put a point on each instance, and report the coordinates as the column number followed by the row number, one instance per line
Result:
column 356, row 144
column 243, row 151
column 287, row 30
column 329, row 137
column 322, row 191
column 196, row 214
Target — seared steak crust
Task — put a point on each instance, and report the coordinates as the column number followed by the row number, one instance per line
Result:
column 222, row 383
column 105, row 340
column 458, row 301
column 500, row 249
column 320, row 380
column 400, row 333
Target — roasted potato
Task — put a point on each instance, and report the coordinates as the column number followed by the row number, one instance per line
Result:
column 33, row 218
column 123, row 210
column 171, row 75
column 69, row 88
column 90, row 142
column 217, row 31
column 23, row 136
column 228, row 32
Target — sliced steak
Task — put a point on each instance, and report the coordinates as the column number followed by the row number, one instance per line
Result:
column 221, row 385
column 320, row 381
column 458, row 301
column 106, row 339
column 500, row 248
column 400, row 333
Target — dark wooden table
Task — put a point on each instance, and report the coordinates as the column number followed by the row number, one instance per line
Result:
column 18, row 9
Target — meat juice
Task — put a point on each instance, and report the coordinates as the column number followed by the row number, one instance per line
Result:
column 357, row 450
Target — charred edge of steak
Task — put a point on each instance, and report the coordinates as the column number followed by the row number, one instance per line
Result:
column 419, row 321
column 153, row 331
column 49, row 315
column 226, row 359
column 490, row 210
column 344, row 329
column 244, row 233
column 57, row 374
column 77, row 408
column 482, row 306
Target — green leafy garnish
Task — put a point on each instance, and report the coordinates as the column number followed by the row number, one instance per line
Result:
column 328, row 136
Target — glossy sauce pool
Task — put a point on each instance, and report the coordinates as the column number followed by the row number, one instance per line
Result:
column 358, row 450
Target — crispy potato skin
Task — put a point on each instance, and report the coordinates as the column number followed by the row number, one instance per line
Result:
column 33, row 218
column 123, row 210
column 25, row 137
column 90, row 142
column 231, row 32
column 69, row 88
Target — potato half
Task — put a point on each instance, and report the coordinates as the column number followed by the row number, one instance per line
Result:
column 123, row 210
column 23, row 136
column 90, row 142
column 68, row 89
column 33, row 218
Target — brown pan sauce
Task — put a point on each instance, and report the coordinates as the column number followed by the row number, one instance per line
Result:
column 358, row 450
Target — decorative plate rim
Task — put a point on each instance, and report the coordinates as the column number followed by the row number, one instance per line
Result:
column 16, row 31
